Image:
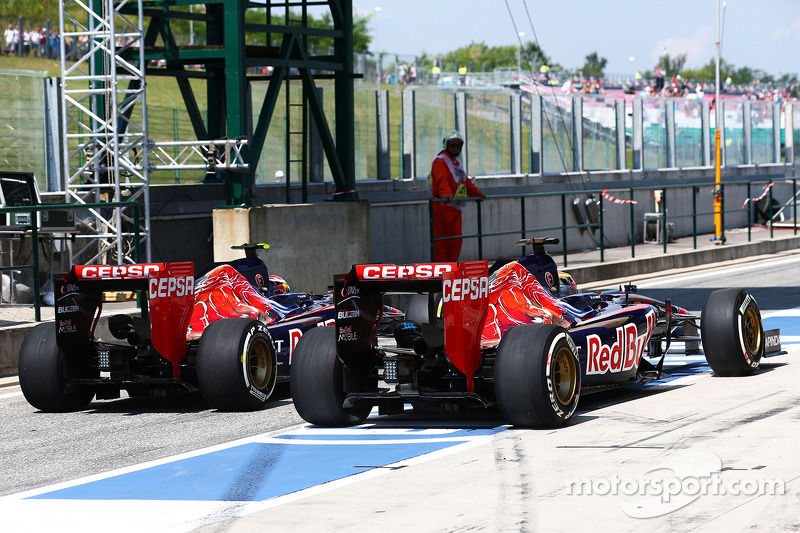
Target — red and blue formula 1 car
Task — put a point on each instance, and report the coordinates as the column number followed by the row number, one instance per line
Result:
column 503, row 336
column 229, row 332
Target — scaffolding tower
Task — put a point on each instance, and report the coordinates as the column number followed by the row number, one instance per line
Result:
column 104, row 125
column 107, row 155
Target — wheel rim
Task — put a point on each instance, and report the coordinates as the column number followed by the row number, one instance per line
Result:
column 565, row 376
column 259, row 364
column 752, row 331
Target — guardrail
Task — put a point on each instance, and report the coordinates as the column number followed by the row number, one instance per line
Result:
column 34, row 228
column 663, row 217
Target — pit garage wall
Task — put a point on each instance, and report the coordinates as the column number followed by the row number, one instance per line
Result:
column 309, row 243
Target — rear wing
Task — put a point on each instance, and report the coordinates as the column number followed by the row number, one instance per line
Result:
column 169, row 291
column 358, row 298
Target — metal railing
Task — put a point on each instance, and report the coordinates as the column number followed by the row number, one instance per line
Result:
column 663, row 218
column 35, row 229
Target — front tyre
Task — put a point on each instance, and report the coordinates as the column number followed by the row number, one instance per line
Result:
column 44, row 371
column 732, row 332
column 317, row 380
column 537, row 376
column 236, row 365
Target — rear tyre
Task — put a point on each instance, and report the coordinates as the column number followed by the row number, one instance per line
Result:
column 317, row 380
column 537, row 376
column 236, row 365
column 732, row 332
column 418, row 310
column 44, row 371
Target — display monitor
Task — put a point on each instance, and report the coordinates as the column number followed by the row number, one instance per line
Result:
column 18, row 189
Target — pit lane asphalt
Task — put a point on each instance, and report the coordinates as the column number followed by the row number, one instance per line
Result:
column 704, row 453
column 698, row 430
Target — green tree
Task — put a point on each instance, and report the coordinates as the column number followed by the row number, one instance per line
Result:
column 673, row 65
column 480, row 56
column 361, row 35
column 594, row 65
column 708, row 72
column 534, row 54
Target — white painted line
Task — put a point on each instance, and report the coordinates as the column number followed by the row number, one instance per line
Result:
column 719, row 271
column 782, row 313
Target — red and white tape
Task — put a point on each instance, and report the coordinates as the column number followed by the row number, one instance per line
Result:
column 763, row 194
column 616, row 200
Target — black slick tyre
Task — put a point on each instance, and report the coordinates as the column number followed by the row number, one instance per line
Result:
column 236, row 365
column 317, row 381
column 537, row 376
column 732, row 332
column 44, row 371
column 419, row 309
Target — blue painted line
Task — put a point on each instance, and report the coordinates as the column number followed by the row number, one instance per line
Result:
column 789, row 325
column 261, row 471
column 462, row 434
column 252, row 472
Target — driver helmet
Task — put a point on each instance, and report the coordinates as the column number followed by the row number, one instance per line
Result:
column 278, row 285
column 566, row 285
column 453, row 135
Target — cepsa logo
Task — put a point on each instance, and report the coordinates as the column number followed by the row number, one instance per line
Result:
column 116, row 271
column 624, row 354
column 420, row 271
column 173, row 286
column 465, row 289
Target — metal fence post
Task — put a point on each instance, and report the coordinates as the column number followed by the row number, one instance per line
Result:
column 776, row 132
column 622, row 160
column 747, row 131
column 564, row 227
column 515, row 103
column 382, row 132
column 794, row 196
column 722, row 214
column 749, row 214
column 37, row 297
column 602, row 231
column 665, row 232
column 638, row 135
column 52, row 143
column 577, row 134
column 788, row 143
column 409, row 161
column 705, row 133
column 771, row 225
column 633, row 223
column 694, row 218
column 537, row 139
column 669, row 109
column 461, row 126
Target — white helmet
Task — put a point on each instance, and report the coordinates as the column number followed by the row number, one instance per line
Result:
column 453, row 135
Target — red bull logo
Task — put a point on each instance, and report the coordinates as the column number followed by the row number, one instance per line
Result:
column 624, row 354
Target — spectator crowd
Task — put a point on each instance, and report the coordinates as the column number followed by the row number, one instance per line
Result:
column 37, row 42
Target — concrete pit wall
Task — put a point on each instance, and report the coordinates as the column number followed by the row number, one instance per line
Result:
column 309, row 243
